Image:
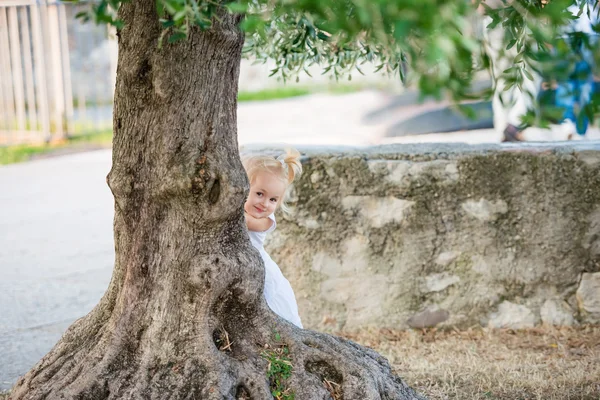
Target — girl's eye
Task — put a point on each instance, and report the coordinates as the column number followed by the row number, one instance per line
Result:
column 274, row 200
column 259, row 194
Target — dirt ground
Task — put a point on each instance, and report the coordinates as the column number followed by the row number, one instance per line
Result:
column 541, row 363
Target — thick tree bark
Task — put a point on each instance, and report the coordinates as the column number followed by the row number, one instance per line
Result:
column 185, row 271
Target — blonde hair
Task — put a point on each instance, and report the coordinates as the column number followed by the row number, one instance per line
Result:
column 286, row 167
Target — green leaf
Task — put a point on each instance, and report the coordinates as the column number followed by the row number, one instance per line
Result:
column 402, row 29
column 179, row 15
column 511, row 44
column 171, row 6
column 322, row 36
column 177, row 36
column 252, row 23
column 508, row 86
column 118, row 24
column 167, row 23
column 84, row 16
column 518, row 58
column 237, row 8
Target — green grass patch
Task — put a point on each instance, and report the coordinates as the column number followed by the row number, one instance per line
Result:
column 296, row 91
column 21, row 153
column 273, row 94
column 15, row 154
column 100, row 138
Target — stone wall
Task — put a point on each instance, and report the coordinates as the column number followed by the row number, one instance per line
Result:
column 446, row 235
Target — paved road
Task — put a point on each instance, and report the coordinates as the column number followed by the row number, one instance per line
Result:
column 56, row 252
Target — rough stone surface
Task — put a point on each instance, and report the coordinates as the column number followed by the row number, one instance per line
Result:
column 588, row 296
column 590, row 240
column 446, row 258
column 557, row 313
column 377, row 211
column 485, row 210
column 428, row 319
column 380, row 234
column 513, row 316
column 438, row 282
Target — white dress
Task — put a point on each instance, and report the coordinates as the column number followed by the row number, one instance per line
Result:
column 278, row 291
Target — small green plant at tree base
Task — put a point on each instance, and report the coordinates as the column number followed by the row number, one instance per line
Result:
column 279, row 369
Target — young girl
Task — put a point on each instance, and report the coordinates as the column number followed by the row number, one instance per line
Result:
column 269, row 180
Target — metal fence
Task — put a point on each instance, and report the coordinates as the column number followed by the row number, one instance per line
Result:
column 56, row 74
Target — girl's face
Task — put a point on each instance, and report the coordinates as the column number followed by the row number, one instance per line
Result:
column 266, row 191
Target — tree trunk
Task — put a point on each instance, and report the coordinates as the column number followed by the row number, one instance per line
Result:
column 184, row 315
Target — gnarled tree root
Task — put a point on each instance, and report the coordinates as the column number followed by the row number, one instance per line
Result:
column 212, row 369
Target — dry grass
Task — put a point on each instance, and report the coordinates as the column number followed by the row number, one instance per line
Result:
column 543, row 363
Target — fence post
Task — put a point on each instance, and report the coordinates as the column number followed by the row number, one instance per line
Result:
column 66, row 67
column 40, row 71
column 29, row 82
column 17, row 68
column 58, row 96
column 6, row 73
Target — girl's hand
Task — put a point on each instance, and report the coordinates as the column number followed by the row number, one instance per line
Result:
column 257, row 225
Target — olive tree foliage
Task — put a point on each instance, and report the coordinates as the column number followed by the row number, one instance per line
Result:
column 436, row 46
